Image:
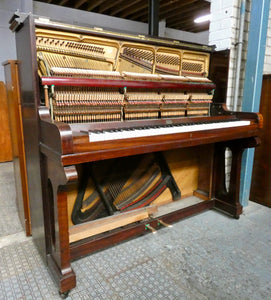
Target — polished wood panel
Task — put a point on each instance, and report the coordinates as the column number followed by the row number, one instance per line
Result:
column 5, row 140
column 261, row 176
column 18, row 146
column 219, row 66
column 30, row 99
column 188, row 85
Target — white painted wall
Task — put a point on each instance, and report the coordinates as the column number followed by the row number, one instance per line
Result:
column 7, row 38
column 200, row 37
column 88, row 19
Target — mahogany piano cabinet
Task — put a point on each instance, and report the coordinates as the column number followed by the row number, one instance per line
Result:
column 124, row 134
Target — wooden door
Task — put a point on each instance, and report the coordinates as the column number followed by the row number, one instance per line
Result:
column 5, row 140
column 17, row 139
column 261, row 176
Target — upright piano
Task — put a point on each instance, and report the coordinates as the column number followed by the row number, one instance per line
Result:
column 123, row 135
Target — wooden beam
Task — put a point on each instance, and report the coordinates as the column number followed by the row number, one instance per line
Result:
column 63, row 2
column 183, row 18
column 79, row 3
column 188, row 14
column 94, row 4
column 108, row 4
column 167, row 3
column 122, row 7
column 91, row 228
column 134, row 8
column 176, row 7
column 181, row 23
column 142, row 12
column 174, row 11
column 183, row 11
column 185, row 22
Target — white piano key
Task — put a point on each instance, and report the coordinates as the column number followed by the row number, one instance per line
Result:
column 137, row 133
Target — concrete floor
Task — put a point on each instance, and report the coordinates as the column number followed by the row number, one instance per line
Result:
column 208, row 256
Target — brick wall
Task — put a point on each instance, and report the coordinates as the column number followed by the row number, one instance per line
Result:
column 224, row 30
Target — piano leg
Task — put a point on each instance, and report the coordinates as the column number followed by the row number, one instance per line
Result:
column 228, row 200
column 56, row 224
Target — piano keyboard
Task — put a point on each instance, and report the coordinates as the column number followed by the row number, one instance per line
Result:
column 148, row 131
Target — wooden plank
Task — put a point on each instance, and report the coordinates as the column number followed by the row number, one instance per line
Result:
column 261, row 176
column 85, row 230
column 94, row 82
column 17, row 140
column 5, row 140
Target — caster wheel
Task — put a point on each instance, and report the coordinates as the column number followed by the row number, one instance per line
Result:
column 64, row 295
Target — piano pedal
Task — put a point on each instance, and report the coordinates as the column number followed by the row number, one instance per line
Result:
column 148, row 226
column 164, row 223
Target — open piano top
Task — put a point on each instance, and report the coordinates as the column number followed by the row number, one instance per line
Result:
column 129, row 95
column 98, row 78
